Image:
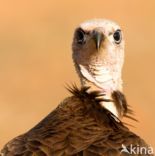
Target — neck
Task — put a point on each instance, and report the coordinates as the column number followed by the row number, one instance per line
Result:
column 100, row 78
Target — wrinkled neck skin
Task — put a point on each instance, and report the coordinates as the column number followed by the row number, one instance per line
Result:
column 102, row 73
column 102, row 77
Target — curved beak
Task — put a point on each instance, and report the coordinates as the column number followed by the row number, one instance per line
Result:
column 98, row 38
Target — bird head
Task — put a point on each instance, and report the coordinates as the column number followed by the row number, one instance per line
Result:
column 98, row 53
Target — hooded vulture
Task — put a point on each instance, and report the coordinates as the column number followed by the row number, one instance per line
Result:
column 89, row 122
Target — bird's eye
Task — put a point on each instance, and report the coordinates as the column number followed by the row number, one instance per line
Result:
column 117, row 36
column 80, row 36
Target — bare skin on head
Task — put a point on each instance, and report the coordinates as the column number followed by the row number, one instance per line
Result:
column 98, row 53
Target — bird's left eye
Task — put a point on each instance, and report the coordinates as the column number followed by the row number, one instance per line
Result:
column 80, row 36
column 117, row 36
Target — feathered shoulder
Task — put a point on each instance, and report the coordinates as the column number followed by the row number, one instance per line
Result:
column 92, row 100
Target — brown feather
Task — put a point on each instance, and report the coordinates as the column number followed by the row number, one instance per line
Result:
column 79, row 126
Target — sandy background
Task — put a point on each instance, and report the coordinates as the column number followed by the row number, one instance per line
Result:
column 35, row 58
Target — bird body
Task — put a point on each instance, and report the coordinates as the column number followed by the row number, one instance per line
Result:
column 79, row 126
column 88, row 123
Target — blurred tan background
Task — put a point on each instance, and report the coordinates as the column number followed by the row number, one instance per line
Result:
column 35, row 58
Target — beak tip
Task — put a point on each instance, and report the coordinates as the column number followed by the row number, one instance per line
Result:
column 98, row 44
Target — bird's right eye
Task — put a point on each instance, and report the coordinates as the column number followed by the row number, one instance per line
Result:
column 80, row 36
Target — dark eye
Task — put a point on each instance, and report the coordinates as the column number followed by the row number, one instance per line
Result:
column 117, row 36
column 80, row 36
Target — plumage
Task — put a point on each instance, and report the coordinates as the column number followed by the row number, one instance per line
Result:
column 83, row 124
column 78, row 126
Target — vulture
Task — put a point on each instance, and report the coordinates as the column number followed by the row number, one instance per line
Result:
column 89, row 121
